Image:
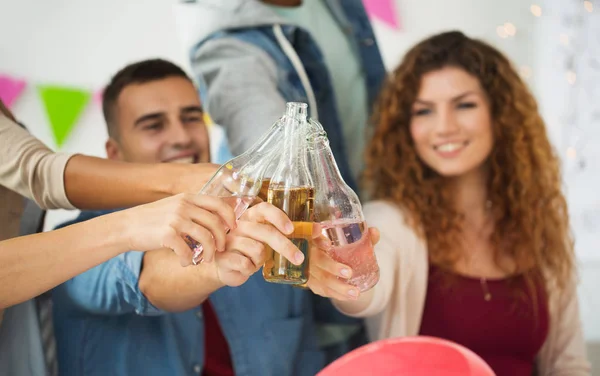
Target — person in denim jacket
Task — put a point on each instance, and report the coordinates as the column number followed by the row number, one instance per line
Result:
column 252, row 56
column 142, row 313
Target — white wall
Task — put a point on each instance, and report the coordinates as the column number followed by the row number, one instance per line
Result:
column 423, row 18
column 83, row 42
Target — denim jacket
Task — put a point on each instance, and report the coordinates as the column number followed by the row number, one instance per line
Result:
column 104, row 325
column 249, row 61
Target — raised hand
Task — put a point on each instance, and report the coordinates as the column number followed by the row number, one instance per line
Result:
column 328, row 277
column 163, row 223
column 262, row 224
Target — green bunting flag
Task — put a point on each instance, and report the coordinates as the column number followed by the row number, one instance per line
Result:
column 63, row 106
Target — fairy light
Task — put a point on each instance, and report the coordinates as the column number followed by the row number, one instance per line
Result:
column 510, row 29
column 525, row 71
column 501, row 31
column 506, row 30
column 575, row 26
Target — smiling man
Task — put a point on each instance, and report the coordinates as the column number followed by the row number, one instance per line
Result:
column 142, row 313
column 153, row 114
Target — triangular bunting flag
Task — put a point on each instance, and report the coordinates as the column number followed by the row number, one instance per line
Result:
column 10, row 89
column 63, row 106
column 98, row 97
column 383, row 10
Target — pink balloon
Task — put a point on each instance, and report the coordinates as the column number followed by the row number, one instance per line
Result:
column 410, row 356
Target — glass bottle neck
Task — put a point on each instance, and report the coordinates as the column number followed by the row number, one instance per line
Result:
column 291, row 128
column 295, row 120
column 324, row 160
column 296, row 110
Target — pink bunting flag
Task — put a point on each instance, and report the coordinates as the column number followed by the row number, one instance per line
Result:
column 10, row 89
column 97, row 98
column 383, row 10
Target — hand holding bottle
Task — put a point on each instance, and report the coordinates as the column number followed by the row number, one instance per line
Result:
column 161, row 223
column 293, row 168
column 239, row 181
column 330, row 278
column 260, row 226
column 339, row 217
column 292, row 190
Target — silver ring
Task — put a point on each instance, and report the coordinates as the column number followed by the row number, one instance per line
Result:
column 197, row 260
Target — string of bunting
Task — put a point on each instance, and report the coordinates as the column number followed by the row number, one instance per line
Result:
column 384, row 11
column 63, row 104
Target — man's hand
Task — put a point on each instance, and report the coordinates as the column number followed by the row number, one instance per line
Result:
column 329, row 278
column 245, row 251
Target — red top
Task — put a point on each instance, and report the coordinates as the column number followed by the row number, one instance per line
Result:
column 217, row 359
column 506, row 330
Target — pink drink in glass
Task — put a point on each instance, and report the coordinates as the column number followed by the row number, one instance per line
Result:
column 239, row 205
column 351, row 245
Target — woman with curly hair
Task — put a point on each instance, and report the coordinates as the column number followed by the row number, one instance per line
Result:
column 475, row 243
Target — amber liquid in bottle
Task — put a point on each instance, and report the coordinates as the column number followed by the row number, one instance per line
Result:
column 297, row 203
column 264, row 190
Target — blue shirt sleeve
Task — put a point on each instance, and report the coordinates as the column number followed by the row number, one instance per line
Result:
column 110, row 288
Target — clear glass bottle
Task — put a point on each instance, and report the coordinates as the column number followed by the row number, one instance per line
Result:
column 239, row 180
column 297, row 110
column 272, row 164
column 291, row 189
column 339, row 217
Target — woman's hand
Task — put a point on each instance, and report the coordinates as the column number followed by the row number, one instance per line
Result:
column 328, row 277
column 164, row 223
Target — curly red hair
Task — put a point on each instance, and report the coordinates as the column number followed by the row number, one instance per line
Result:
column 529, row 209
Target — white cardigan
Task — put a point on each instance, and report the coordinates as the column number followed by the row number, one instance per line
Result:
column 399, row 297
